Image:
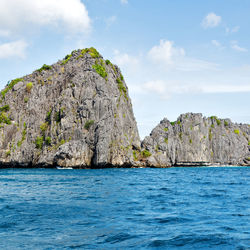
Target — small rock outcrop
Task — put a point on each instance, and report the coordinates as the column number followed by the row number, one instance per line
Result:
column 74, row 113
column 194, row 140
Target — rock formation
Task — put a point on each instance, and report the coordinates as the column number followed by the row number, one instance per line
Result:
column 195, row 140
column 75, row 113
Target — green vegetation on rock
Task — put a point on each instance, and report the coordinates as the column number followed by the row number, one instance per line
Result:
column 5, row 108
column 210, row 134
column 44, row 127
column 29, row 86
column 180, row 136
column 107, row 62
column 216, row 119
column 135, row 155
column 236, row 131
column 225, row 123
column 48, row 141
column 62, row 142
column 122, row 88
column 4, row 118
column 39, row 142
column 66, row 59
column 44, row 67
column 145, row 153
column 218, row 122
column 48, row 117
column 92, row 51
column 58, row 116
column 88, row 124
column 19, row 143
column 100, row 70
column 10, row 86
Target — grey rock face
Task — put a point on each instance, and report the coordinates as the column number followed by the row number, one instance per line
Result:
column 197, row 140
column 75, row 113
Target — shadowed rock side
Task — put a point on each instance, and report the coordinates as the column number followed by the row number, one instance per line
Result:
column 196, row 140
column 75, row 113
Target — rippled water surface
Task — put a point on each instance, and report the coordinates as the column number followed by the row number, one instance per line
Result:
column 184, row 208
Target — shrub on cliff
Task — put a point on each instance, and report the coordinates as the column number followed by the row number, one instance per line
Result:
column 88, row 124
column 29, row 86
column 145, row 153
column 44, row 67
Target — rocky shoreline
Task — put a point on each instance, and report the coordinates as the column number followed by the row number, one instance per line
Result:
column 77, row 113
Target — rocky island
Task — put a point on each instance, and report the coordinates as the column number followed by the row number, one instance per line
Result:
column 77, row 113
column 194, row 140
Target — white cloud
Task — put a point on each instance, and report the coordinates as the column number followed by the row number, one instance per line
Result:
column 211, row 21
column 216, row 43
column 123, row 59
column 232, row 30
column 65, row 14
column 171, row 57
column 13, row 49
column 235, row 46
column 165, row 52
column 157, row 86
column 124, row 1
column 165, row 88
column 212, row 89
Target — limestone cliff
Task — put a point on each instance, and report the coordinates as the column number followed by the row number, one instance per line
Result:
column 74, row 113
column 196, row 140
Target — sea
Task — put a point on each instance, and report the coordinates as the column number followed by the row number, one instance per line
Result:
column 173, row 208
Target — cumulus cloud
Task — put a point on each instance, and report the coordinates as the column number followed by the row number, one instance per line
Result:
column 71, row 15
column 175, row 58
column 235, row 46
column 13, row 49
column 124, row 59
column 211, row 21
column 165, row 52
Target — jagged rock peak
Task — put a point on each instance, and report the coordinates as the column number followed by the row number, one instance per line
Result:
column 74, row 113
column 197, row 140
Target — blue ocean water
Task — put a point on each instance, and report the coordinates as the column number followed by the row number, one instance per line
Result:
column 176, row 208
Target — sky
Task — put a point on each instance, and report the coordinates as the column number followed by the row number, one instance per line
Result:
column 176, row 56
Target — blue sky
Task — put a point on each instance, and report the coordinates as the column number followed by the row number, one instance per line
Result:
column 176, row 56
